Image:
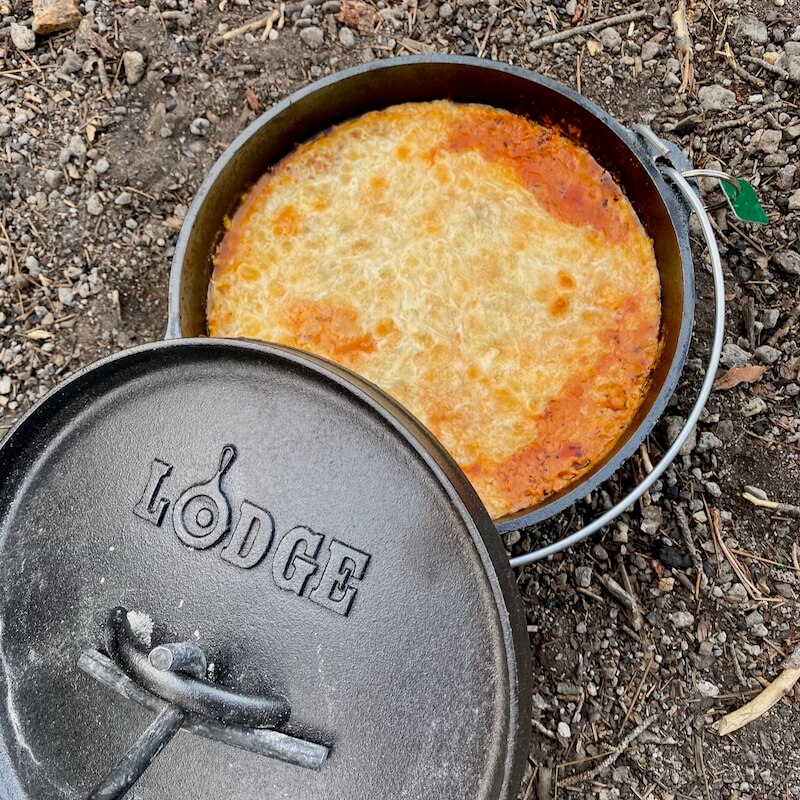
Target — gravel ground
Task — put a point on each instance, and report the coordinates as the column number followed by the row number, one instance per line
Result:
column 106, row 131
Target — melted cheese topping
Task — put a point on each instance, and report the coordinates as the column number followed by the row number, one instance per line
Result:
column 483, row 270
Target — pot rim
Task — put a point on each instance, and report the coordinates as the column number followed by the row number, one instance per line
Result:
column 675, row 206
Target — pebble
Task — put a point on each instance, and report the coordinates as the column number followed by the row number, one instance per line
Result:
column 737, row 594
column 313, row 36
column 347, row 38
column 707, row 441
column 610, row 39
column 65, row 295
column 133, row 63
column 768, row 141
column 784, row 179
column 600, row 553
column 716, row 98
column 445, row 11
column 767, row 354
column 53, row 178
column 754, row 29
column 652, row 519
column 5, row 384
column 671, row 556
column 72, row 62
column 22, row 37
column 583, row 577
column 713, row 489
column 794, row 201
column 564, row 730
column 707, row 689
column 101, row 166
column 650, row 50
column 94, row 205
column 51, row 16
column 787, row 261
column 199, row 126
column 123, row 199
column 682, row 619
column 734, row 356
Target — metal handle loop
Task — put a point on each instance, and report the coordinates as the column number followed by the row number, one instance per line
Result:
column 705, row 390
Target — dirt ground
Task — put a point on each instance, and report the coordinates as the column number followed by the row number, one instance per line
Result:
column 106, row 132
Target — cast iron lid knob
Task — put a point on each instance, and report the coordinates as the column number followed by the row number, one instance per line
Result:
column 334, row 614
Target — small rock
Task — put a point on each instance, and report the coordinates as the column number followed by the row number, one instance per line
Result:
column 94, row 205
column 199, row 126
column 754, row 29
column 734, row 356
column 770, row 317
column 567, row 688
column 347, row 38
column 22, row 37
column 666, row 584
column 5, row 384
column 787, row 261
column 713, row 489
column 72, row 62
column 583, row 577
column 785, row 177
column 794, row 201
column 610, row 39
column 313, row 36
column 753, row 618
column 768, row 141
column 737, row 594
column 600, row 553
column 767, row 354
column 50, row 16
column 52, row 177
column 707, row 689
column 66, row 296
column 650, row 50
column 756, row 492
column 101, row 166
column 716, row 98
column 652, row 518
column 792, row 66
column 133, row 63
column 707, row 441
column 671, row 556
column 445, row 11
column 759, row 631
column 123, row 199
column 682, row 619
column 564, row 731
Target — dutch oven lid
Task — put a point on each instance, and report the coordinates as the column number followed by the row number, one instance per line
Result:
column 288, row 524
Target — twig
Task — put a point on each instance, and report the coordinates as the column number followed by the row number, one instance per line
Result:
column 781, row 508
column 543, row 730
column 263, row 20
column 764, row 701
column 636, row 693
column 739, row 121
column 740, row 71
column 562, row 36
column 785, row 328
column 273, row 18
column 625, row 599
column 741, row 572
column 759, row 62
column 683, row 47
column 589, row 775
column 686, row 531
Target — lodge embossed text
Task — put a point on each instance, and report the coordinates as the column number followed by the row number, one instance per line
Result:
column 310, row 564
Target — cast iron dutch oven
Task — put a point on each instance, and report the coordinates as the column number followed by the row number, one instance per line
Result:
column 263, row 556
column 335, row 99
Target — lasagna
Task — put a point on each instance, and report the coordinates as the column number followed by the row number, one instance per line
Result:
column 482, row 269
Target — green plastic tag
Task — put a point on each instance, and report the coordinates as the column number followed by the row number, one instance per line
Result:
column 744, row 203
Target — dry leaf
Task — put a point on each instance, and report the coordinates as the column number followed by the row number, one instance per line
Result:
column 736, row 375
column 40, row 334
column 703, row 629
column 578, row 13
column 594, row 47
column 359, row 15
column 252, row 100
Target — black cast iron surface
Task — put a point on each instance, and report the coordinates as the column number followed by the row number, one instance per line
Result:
column 420, row 78
column 370, row 588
